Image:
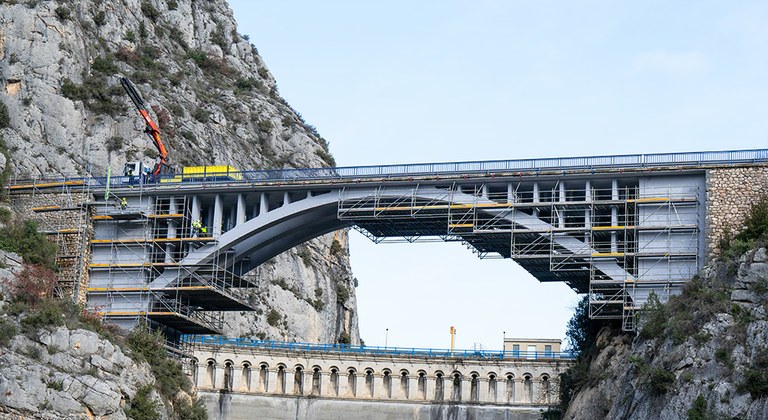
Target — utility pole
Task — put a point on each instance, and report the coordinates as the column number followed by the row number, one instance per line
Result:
column 453, row 335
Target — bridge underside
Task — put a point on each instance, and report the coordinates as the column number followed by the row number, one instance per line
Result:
column 615, row 237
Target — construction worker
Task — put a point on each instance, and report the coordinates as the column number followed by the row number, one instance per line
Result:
column 197, row 227
column 123, row 203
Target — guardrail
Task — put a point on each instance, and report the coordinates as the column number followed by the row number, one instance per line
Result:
column 684, row 159
column 374, row 350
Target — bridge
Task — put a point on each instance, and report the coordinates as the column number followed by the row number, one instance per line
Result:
column 237, row 377
column 615, row 227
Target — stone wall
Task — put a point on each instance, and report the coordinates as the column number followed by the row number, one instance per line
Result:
column 68, row 225
column 731, row 192
column 396, row 377
column 240, row 406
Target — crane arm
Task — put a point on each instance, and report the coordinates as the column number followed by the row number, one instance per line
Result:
column 151, row 129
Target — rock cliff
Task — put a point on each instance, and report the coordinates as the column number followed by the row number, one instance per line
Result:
column 703, row 355
column 63, row 111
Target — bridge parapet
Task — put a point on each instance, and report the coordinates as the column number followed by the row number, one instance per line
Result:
column 416, row 375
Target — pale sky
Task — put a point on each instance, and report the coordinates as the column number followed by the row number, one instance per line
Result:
column 428, row 81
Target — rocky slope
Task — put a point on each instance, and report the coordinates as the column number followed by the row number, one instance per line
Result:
column 215, row 102
column 53, row 373
column 704, row 355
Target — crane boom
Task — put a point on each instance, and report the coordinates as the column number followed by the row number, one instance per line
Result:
column 151, row 129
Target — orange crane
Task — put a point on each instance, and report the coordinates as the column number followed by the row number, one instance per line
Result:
column 161, row 163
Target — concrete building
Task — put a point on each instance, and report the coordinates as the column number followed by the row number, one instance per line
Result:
column 531, row 347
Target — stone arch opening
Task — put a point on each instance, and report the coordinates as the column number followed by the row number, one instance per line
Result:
column 510, row 391
column 334, row 381
column 422, row 385
column 369, row 382
column 474, row 388
column 352, row 382
column 527, row 388
column 439, row 386
column 456, row 394
column 404, row 384
column 316, row 381
column 228, row 375
column 193, row 367
column 386, row 381
column 546, row 389
column 281, row 379
column 298, row 380
column 263, row 377
column 210, row 373
column 492, row 396
column 245, row 379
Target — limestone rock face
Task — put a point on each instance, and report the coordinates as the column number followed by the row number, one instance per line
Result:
column 720, row 365
column 65, row 372
column 215, row 102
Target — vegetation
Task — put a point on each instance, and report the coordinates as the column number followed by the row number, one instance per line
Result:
column 23, row 238
column 63, row 13
column 305, row 255
column 342, row 293
column 698, row 410
column 150, row 11
column 168, row 374
column 344, row 338
column 336, row 248
column 115, row 143
column 7, row 331
column 5, row 118
column 754, row 234
column 581, row 333
column 684, row 313
column 142, row 407
column 273, row 318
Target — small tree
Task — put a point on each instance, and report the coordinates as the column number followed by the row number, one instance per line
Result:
column 34, row 285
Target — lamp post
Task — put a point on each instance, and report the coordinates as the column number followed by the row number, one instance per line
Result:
column 386, row 337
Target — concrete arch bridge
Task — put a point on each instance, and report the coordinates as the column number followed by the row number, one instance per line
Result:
column 615, row 227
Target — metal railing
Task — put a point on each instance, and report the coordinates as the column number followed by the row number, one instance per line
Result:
column 684, row 159
column 393, row 351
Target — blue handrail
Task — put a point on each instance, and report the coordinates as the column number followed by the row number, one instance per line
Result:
column 684, row 159
column 394, row 351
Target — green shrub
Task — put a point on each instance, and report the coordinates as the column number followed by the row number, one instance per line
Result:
column 63, row 13
column 115, row 143
column 344, row 338
column 141, row 406
column 342, row 293
column 326, row 157
column 23, row 238
column 56, row 385
column 305, row 255
column 265, row 126
column 104, row 65
column 49, row 314
column 335, row 247
column 756, row 382
column 150, row 11
column 149, row 347
column 5, row 118
column 722, row 356
column 661, row 380
column 172, row 4
column 273, row 318
column 698, row 410
column 100, row 19
column 7, row 331
column 201, row 115
column 194, row 411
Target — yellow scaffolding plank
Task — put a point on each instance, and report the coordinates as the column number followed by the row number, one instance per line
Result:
column 45, row 208
column 616, row 227
column 648, row 200
column 165, row 216
column 46, row 185
column 461, row 225
column 102, row 217
column 607, row 254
